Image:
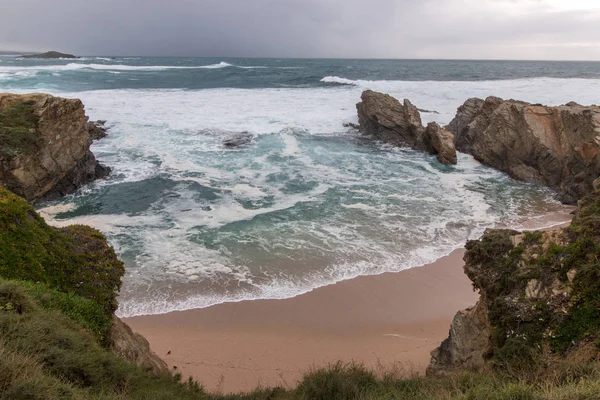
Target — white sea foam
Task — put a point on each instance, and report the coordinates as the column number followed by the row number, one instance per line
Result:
column 236, row 225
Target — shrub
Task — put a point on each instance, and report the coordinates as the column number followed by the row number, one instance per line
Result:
column 76, row 259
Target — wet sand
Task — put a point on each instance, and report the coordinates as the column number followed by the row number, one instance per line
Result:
column 392, row 320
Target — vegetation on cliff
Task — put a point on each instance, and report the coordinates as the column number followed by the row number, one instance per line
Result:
column 541, row 289
column 74, row 261
column 18, row 129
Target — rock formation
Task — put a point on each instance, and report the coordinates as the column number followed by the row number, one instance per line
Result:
column 241, row 139
column 96, row 129
column 538, row 290
column 135, row 348
column 45, row 146
column 557, row 146
column 385, row 118
column 49, row 54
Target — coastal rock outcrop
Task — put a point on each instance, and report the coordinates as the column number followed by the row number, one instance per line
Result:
column 49, row 54
column 385, row 118
column 557, row 146
column 135, row 348
column 45, row 146
column 538, row 290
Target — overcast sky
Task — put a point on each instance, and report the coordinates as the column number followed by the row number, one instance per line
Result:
column 497, row 29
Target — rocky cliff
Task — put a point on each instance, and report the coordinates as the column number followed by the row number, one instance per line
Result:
column 385, row 118
column 539, row 291
column 45, row 146
column 557, row 146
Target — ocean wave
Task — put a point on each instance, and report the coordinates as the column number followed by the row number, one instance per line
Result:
column 340, row 81
column 110, row 67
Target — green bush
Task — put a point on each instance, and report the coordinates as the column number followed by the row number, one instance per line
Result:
column 76, row 259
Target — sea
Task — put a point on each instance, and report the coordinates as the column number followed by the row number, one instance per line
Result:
column 308, row 201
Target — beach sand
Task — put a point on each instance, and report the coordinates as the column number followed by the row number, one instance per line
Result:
column 393, row 320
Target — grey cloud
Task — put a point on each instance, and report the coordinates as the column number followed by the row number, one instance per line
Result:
column 302, row 28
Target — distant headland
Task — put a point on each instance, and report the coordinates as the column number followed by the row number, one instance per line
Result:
column 49, row 54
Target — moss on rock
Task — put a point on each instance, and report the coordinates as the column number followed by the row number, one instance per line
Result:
column 18, row 129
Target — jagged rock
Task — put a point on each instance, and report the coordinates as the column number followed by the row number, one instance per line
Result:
column 45, row 146
column 96, row 129
column 351, row 125
column 468, row 345
column 557, row 146
column 441, row 142
column 49, row 54
column 135, row 348
column 538, row 290
column 384, row 117
column 238, row 140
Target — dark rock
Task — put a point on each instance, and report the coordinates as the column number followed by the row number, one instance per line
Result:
column 241, row 139
column 557, row 146
column 427, row 111
column 351, row 125
column 385, row 118
column 87, row 170
column 96, row 129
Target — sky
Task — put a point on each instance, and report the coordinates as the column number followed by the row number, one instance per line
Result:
column 450, row 29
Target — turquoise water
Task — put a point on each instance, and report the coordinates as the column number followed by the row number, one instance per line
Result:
column 307, row 202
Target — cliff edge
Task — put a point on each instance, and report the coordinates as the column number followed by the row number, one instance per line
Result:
column 557, row 146
column 45, row 146
column 539, row 293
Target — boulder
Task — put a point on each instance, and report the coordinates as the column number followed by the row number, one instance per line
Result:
column 441, row 142
column 96, row 129
column 556, row 146
column 45, row 146
column 238, row 140
column 135, row 348
column 468, row 344
column 384, row 117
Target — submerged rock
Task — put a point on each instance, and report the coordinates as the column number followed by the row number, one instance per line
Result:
column 384, row 117
column 557, row 146
column 238, row 140
column 45, row 146
column 97, row 129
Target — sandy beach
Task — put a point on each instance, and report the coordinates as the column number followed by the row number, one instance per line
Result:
column 389, row 320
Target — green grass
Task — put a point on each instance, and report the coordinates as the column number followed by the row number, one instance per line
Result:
column 76, row 259
column 18, row 129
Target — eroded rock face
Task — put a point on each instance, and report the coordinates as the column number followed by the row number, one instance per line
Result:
column 557, row 146
column 45, row 146
column 538, row 290
column 385, row 118
column 135, row 348
column 468, row 345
